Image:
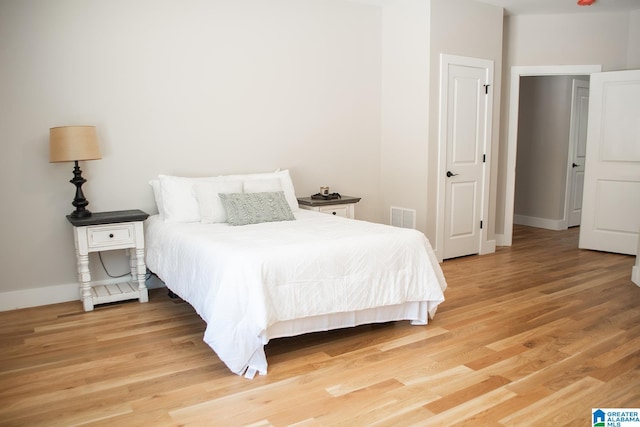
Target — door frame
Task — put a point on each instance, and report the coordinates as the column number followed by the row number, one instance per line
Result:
column 505, row 239
column 484, row 245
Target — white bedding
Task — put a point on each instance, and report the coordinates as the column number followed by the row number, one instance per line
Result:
column 255, row 282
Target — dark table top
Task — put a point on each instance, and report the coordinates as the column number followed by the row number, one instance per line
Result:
column 109, row 217
column 308, row 201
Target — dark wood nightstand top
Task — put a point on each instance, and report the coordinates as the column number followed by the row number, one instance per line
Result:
column 109, row 217
column 345, row 200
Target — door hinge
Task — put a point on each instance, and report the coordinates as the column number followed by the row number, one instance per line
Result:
column 480, row 224
column 486, row 89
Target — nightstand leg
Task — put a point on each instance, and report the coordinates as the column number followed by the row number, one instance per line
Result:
column 141, row 270
column 84, row 276
column 133, row 264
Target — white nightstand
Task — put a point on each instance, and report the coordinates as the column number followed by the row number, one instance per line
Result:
column 344, row 206
column 107, row 231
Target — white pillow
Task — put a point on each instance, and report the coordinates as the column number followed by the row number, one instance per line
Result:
column 211, row 208
column 251, row 182
column 266, row 185
column 179, row 199
column 157, row 194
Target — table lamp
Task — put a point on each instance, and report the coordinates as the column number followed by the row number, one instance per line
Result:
column 72, row 144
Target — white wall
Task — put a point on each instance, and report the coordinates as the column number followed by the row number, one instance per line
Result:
column 633, row 58
column 414, row 34
column 472, row 29
column 405, row 107
column 188, row 87
column 572, row 39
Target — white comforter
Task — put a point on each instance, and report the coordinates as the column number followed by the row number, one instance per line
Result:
column 241, row 280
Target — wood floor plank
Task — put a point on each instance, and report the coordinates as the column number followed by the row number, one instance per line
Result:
column 471, row 407
column 557, row 408
column 536, row 333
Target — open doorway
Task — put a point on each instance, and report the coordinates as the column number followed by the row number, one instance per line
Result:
column 505, row 239
column 551, row 151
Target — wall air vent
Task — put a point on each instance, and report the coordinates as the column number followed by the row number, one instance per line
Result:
column 404, row 218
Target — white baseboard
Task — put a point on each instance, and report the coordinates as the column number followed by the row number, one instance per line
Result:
column 532, row 221
column 488, row 247
column 635, row 274
column 501, row 240
column 35, row 297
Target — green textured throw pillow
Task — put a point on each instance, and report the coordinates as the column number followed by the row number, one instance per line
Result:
column 254, row 208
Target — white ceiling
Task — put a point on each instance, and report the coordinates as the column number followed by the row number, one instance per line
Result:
column 544, row 7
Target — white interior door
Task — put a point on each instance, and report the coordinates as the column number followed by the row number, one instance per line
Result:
column 578, row 145
column 465, row 137
column 611, row 205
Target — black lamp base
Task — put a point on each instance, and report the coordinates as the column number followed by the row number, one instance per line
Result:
column 80, row 213
column 79, row 201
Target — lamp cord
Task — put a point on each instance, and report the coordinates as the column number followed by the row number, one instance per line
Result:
column 104, row 267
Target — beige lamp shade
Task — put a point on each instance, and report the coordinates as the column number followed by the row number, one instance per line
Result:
column 71, row 143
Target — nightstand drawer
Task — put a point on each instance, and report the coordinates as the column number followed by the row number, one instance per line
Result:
column 338, row 210
column 110, row 235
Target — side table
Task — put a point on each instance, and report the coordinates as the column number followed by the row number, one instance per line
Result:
column 107, row 231
column 345, row 206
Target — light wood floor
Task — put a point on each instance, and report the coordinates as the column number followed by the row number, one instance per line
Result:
column 535, row 334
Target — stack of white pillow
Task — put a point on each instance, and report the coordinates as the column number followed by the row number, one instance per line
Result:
column 185, row 199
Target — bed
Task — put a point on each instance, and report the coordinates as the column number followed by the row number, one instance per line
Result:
column 270, row 278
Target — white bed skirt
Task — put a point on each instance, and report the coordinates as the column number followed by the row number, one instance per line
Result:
column 416, row 312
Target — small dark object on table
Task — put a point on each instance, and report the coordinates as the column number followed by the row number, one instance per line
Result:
column 332, row 196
